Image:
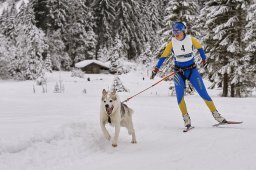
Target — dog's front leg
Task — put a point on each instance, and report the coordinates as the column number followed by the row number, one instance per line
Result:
column 104, row 130
column 117, row 131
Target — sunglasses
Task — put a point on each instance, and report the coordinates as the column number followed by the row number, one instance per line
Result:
column 175, row 32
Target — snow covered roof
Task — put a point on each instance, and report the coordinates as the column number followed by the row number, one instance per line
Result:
column 88, row 62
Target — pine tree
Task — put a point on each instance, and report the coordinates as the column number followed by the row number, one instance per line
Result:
column 42, row 14
column 104, row 11
column 116, row 55
column 82, row 39
column 59, row 14
column 75, row 21
column 128, row 25
column 151, row 22
column 7, row 43
column 118, row 85
column 48, row 63
column 146, row 57
column 225, row 22
column 202, row 3
column 30, row 43
column 103, row 54
column 249, row 59
column 56, row 51
column 114, row 63
column 7, row 21
column 7, row 52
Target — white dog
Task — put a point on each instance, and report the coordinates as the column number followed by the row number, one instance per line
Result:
column 117, row 114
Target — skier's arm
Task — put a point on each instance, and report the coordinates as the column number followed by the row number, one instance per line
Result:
column 166, row 53
column 199, row 47
column 160, row 62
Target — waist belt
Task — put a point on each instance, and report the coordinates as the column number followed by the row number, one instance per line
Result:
column 181, row 70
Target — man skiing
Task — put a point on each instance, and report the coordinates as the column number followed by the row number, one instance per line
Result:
column 182, row 46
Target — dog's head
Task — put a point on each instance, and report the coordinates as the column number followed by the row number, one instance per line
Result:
column 109, row 100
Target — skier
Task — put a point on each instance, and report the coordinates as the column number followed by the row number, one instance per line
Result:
column 182, row 46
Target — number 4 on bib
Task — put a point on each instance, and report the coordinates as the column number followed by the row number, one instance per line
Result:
column 182, row 48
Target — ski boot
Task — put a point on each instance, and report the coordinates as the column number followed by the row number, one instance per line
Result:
column 218, row 117
column 187, row 120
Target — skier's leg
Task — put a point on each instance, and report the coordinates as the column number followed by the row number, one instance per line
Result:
column 179, row 88
column 197, row 82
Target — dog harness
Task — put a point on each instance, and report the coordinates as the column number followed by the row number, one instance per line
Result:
column 109, row 114
column 109, row 119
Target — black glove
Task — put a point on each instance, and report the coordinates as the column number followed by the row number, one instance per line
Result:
column 154, row 72
column 204, row 63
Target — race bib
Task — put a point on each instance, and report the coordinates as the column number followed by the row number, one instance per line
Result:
column 183, row 50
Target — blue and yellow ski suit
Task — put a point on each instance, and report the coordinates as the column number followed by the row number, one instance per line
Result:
column 184, row 58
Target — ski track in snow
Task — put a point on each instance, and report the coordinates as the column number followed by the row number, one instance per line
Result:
column 61, row 131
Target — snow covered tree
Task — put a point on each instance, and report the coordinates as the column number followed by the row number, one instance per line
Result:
column 250, row 34
column 127, row 24
column 42, row 14
column 114, row 63
column 81, row 37
column 75, row 21
column 104, row 11
column 7, row 21
column 48, row 63
column 56, row 51
column 59, row 14
column 249, row 59
column 116, row 54
column 7, row 43
column 146, row 57
column 103, row 54
column 151, row 21
column 225, row 23
column 202, row 3
column 7, row 52
column 118, row 85
column 30, row 43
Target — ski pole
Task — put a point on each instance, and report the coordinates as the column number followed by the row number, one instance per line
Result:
column 172, row 74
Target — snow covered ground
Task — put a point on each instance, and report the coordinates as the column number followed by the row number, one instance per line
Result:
column 60, row 131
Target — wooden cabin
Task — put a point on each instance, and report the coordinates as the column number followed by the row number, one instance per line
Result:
column 93, row 66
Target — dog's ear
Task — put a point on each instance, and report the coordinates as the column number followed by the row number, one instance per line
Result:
column 113, row 92
column 104, row 92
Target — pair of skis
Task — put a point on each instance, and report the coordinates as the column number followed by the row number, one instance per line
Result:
column 215, row 125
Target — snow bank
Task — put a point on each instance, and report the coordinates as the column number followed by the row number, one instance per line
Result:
column 60, row 131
